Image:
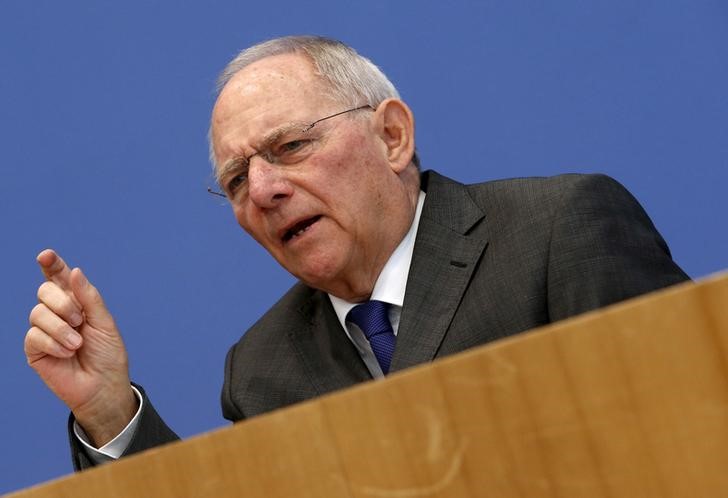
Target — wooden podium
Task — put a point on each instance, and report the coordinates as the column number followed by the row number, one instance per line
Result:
column 629, row 401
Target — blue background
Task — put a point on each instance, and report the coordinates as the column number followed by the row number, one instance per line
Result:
column 103, row 116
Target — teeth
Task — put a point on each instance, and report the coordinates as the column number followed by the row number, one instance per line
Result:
column 304, row 227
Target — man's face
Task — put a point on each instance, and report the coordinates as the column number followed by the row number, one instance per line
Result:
column 331, row 219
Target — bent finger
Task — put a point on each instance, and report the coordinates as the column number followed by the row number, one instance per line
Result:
column 55, row 327
column 61, row 303
column 38, row 345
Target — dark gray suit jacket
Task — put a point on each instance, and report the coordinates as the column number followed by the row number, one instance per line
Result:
column 490, row 260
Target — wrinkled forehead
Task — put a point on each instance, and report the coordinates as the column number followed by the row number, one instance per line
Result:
column 263, row 96
column 280, row 80
column 267, row 94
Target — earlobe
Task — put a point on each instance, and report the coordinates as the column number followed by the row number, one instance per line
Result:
column 396, row 128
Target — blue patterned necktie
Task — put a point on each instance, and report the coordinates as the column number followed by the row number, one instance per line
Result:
column 372, row 318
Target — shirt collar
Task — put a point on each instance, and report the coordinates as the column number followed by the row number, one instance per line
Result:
column 392, row 281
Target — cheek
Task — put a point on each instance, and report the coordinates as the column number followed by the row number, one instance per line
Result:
column 238, row 213
column 351, row 169
column 351, row 152
column 254, row 225
column 243, row 219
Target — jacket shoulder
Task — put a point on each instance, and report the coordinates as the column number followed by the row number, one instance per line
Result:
column 542, row 188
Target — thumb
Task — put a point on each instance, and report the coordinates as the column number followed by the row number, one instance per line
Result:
column 93, row 304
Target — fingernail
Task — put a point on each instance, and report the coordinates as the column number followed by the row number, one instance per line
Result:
column 75, row 320
column 73, row 339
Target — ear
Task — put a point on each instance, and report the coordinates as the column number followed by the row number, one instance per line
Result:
column 395, row 125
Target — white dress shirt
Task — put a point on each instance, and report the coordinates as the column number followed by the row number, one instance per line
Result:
column 389, row 288
column 114, row 448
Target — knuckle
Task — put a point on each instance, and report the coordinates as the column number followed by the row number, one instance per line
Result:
column 44, row 289
column 38, row 343
column 28, row 338
column 37, row 311
column 31, row 340
column 55, row 299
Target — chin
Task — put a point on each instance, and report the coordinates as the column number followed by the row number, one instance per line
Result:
column 320, row 274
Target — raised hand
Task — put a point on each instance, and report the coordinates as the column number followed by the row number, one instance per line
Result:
column 74, row 346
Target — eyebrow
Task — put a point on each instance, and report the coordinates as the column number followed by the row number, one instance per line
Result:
column 274, row 135
column 268, row 139
column 225, row 169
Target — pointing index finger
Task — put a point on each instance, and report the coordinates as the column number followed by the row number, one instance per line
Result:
column 55, row 269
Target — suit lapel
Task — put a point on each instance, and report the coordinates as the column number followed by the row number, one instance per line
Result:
column 447, row 250
column 330, row 361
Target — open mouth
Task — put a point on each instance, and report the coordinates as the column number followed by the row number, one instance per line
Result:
column 299, row 228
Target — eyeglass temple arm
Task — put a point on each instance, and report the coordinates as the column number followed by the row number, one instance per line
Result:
column 215, row 192
column 334, row 115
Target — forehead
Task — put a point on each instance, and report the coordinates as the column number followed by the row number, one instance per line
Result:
column 272, row 75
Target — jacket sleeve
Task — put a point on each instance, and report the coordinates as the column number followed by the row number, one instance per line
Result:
column 151, row 431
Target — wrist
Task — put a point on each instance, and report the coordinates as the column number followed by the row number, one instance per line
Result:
column 107, row 416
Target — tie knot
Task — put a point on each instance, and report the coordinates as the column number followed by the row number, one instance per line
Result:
column 371, row 317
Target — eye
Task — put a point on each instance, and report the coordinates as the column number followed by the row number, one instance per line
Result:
column 292, row 146
column 292, row 151
column 235, row 182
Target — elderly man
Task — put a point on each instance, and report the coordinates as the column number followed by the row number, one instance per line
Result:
column 315, row 152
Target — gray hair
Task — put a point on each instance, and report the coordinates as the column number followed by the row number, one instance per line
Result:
column 352, row 79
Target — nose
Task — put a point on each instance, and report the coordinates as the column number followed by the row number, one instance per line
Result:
column 267, row 183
